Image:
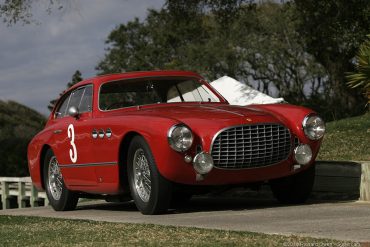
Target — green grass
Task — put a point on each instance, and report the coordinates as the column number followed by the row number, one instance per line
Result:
column 34, row 231
column 347, row 139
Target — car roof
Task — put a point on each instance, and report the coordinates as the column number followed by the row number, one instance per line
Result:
column 97, row 80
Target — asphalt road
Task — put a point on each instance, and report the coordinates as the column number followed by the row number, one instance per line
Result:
column 335, row 220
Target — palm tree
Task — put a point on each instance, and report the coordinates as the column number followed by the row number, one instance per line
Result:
column 360, row 78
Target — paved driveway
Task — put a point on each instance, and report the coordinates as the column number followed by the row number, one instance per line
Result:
column 339, row 220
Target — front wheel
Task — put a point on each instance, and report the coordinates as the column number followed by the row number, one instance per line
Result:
column 294, row 189
column 151, row 192
column 60, row 198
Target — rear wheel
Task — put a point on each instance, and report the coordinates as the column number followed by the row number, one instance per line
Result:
column 294, row 189
column 151, row 192
column 60, row 198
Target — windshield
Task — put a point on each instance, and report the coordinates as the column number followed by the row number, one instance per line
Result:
column 144, row 91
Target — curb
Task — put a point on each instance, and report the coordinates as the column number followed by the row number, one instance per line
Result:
column 334, row 180
column 338, row 180
column 342, row 180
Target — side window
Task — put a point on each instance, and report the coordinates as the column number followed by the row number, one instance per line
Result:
column 76, row 98
column 80, row 98
column 62, row 110
column 86, row 101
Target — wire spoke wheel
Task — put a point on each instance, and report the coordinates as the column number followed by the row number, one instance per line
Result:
column 143, row 184
column 150, row 191
column 60, row 198
column 55, row 179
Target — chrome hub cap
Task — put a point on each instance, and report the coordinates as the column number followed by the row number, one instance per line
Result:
column 55, row 179
column 143, row 184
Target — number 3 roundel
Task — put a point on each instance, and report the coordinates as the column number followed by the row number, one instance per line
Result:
column 73, row 150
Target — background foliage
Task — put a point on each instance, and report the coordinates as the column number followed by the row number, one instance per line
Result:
column 360, row 78
column 20, row 11
column 18, row 124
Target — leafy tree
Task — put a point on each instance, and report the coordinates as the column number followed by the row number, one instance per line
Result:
column 179, row 36
column 273, row 55
column 360, row 78
column 18, row 124
column 15, row 11
column 76, row 77
column 332, row 31
column 258, row 44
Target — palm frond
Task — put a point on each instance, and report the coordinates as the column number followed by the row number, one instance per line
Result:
column 361, row 76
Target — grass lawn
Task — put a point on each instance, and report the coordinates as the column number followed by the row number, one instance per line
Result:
column 35, row 231
column 347, row 139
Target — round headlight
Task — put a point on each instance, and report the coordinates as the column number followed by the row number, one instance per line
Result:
column 313, row 127
column 203, row 163
column 303, row 154
column 180, row 137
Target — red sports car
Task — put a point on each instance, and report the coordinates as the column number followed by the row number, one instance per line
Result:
column 162, row 136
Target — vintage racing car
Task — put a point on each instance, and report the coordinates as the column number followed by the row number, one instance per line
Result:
column 162, row 136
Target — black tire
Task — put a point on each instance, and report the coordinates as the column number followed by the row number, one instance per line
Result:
column 68, row 199
column 294, row 189
column 158, row 200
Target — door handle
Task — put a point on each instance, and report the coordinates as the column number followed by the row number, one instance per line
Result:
column 57, row 131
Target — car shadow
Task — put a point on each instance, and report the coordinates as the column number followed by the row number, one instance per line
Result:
column 238, row 204
column 208, row 203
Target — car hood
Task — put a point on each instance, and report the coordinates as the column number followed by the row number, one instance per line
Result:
column 202, row 111
column 206, row 117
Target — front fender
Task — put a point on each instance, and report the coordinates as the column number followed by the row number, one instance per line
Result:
column 292, row 116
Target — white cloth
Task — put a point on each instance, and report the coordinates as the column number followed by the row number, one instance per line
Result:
column 238, row 93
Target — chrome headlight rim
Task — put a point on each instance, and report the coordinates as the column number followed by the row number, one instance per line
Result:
column 172, row 142
column 305, row 127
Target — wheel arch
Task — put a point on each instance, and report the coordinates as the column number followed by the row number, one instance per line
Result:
column 44, row 150
column 122, row 158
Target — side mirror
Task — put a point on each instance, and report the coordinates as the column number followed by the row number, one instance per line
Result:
column 73, row 112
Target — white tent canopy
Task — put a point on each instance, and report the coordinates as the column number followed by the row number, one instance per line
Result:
column 238, row 93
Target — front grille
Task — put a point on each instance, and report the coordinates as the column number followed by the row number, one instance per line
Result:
column 250, row 146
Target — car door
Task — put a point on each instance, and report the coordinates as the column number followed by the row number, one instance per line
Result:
column 107, row 131
column 72, row 139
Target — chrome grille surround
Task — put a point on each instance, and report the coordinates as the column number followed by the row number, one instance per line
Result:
column 251, row 146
